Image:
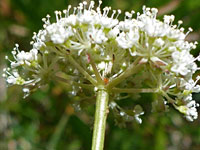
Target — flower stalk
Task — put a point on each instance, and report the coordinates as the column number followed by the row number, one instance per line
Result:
column 134, row 90
column 95, row 70
column 100, row 119
column 133, row 68
column 81, row 70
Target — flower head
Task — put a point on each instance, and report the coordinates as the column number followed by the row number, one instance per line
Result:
column 87, row 44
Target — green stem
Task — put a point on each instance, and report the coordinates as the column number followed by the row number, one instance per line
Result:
column 58, row 132
column 132, row 90
column 81, row 70
column 96, row 72
column 133, row 68
column 100, row 120
column 70, row 82
column 169, row 99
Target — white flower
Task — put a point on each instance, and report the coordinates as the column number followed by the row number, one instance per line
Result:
column 113, row 33
column 71, row 20
column 128, row 39
column 15, row 78
column 138, row 112
column 189, row 110
column 183, row 63
column 86, row 17
column 159, row 42
column 96, row 35
column 58, row 33
column 190, row 85
column 192, row 113
column 26, row 92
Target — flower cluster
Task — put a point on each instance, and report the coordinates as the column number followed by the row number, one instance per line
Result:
column 29, row 69
column 86, row 41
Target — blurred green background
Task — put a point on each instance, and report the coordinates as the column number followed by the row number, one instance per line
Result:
column 48, row 120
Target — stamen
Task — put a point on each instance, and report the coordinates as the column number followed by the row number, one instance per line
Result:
column 32, row 42
column 74, row 12
column 65, row 12
column 114, row 12
column 17, row 45
column 44, row 20
column 189, row 30
column 132, row 12
column 172, row 17
column 6, row 71
column 174, row 26
column 106, row 11
column 6, row 57
column 144, row 9
column 197, row 58
column 4, row 75
column 80, row 8
column 48, row 16
column 60, row 14
column 69, row 7
column 84, row 5
column 119, row 12
column 100, row 2
column 169, row 19
column 109, row 8
column 138, row 14
column 154, row 12
column 91, row 5
column 56, row 13
column 14, row 53
column 182, row 29
column 129, row 15
column 180, row 22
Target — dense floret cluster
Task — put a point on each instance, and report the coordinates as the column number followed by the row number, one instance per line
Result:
column 148, row 52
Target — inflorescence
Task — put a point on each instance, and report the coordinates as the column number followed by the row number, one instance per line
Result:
column 85, row 36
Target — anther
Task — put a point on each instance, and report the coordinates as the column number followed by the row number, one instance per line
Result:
column 91, row 5
column 114, row 12
column 119, row 12
column 189, row 30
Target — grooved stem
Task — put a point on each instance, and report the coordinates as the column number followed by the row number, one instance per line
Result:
column 100, row 120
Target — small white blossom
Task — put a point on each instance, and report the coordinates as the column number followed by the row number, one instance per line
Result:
column 138, row 112
column 129, row 39
column 96, row 35
column 189, row 110
column 58, row 33
column 183, row 63
column 159, row 42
